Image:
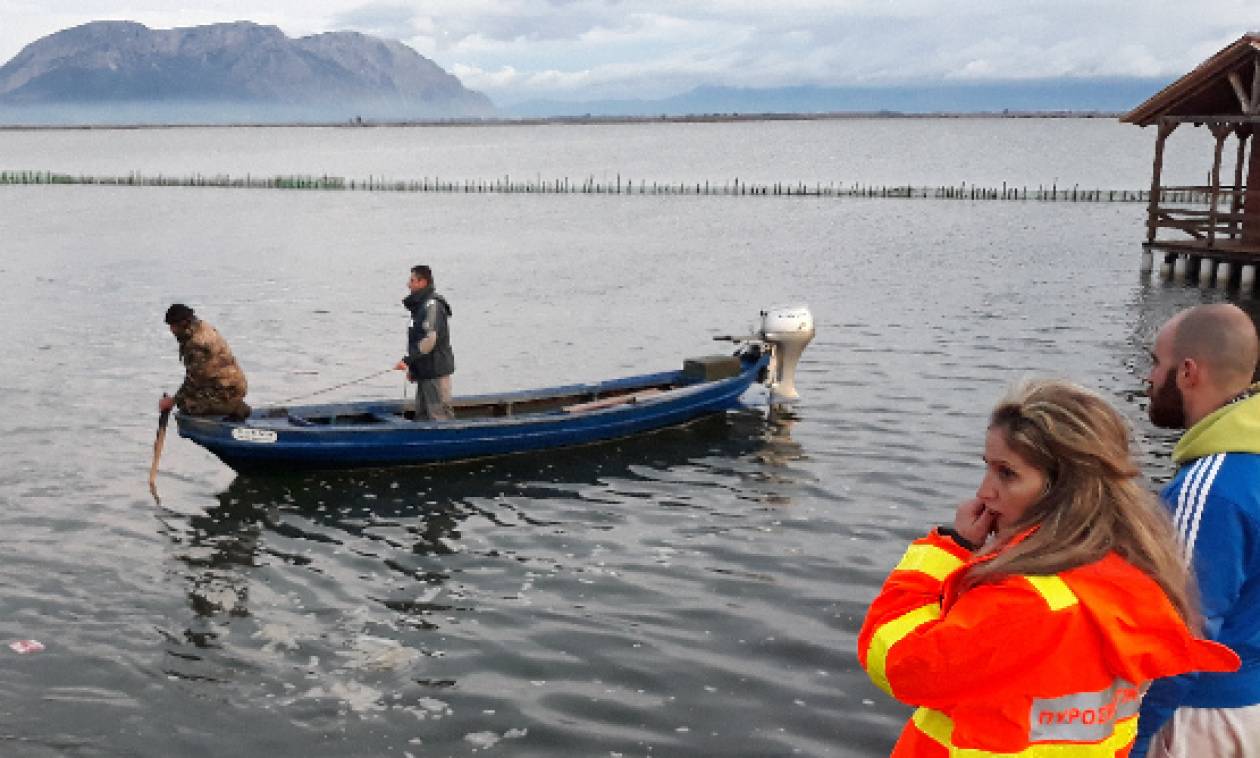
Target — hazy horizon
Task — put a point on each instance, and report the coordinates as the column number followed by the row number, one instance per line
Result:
column 599, row 50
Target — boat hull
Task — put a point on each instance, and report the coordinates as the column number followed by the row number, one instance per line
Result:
column 375, row 433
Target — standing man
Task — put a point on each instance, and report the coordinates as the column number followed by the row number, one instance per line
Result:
column 214, row 384
column 429, row 361
column 1201, row 381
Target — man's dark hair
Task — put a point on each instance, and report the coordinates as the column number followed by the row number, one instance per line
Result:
column 179, row 313
column 423, row 272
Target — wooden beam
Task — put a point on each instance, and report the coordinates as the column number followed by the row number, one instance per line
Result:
column 1189, row 226
column 1236, row 197
column 1255, row 87
column 1251, row 200
column 1212, row 120
column 1221, row 133
column 1152, row 209
column 610, row 402
column 1193, row 213
column 1193, row 228
column 1244, row 99
column 1244, row 254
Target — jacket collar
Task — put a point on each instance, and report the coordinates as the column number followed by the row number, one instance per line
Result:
column 1232, row 428
column 417, row 298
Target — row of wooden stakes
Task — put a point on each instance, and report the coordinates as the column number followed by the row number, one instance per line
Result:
column 591, row 186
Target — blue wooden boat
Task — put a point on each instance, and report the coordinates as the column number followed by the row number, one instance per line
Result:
column 376, row 433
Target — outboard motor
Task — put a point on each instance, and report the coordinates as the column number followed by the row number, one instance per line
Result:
column 788, row 330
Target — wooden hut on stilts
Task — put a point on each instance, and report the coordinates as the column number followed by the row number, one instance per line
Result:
column 1219, row 244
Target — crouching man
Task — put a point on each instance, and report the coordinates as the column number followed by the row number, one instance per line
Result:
column 214, row 384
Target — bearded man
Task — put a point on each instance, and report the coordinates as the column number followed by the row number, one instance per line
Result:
column 1201, row 380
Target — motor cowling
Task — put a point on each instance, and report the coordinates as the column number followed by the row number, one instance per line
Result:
column 788, row 330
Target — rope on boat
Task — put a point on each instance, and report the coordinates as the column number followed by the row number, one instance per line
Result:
column 361, row 379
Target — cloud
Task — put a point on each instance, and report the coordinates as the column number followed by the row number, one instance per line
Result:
column 388, row 20
column 522, row 49
column 503, row 78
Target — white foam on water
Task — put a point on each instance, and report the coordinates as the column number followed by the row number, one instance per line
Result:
column 276, row 636
column 380, row 654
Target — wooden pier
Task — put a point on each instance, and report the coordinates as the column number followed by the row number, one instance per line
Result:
column 1219, row 244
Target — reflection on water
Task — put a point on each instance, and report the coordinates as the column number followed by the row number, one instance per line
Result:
column 399, row 593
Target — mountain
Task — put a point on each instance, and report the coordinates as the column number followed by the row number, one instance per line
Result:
column 1034, row 95
column 238, row 71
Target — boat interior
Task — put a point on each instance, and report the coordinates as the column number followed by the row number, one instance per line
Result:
column 576, row 399
column 468, row 408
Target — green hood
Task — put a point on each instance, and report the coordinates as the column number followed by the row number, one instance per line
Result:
column 1234, row 428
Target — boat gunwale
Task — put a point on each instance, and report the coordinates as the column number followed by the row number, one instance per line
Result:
column 391, row 422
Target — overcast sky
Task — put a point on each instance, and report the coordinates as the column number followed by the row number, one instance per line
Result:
column 593, row 49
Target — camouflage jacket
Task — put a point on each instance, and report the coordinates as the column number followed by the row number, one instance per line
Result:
column 210, row 368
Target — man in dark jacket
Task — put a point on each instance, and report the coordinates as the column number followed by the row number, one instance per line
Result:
column 429, row 362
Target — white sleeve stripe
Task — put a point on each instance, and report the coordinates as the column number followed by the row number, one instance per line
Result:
column 1192, row 533
column 1188, row 485
column 1196, row 494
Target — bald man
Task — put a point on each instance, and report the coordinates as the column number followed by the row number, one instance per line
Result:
column 1201, row 380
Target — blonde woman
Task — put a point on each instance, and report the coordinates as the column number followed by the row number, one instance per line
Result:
column 1038, row 619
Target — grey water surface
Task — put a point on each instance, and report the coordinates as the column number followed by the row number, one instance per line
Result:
column 694, row 592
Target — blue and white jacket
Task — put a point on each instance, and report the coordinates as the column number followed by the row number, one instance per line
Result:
column 1215, row 502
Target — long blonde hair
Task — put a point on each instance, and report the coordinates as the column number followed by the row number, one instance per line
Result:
column 1094, row 502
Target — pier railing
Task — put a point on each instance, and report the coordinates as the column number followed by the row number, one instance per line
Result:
column 1199, row 224
column 622, row 186
column 1222, row 218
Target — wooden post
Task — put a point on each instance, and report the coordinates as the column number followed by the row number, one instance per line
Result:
column 1165, row 128
column 1247, row 278
column 1251, row 194
column 1223, row 272
column 1221, row 133
column 1236, row 200
column 1251, row 199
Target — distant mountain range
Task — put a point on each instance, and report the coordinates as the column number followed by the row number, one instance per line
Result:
column 1107, row 95
column 122, row 71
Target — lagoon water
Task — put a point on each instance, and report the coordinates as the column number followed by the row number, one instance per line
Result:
column 690, row 593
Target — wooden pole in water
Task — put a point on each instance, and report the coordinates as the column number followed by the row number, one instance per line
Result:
column 160, row 440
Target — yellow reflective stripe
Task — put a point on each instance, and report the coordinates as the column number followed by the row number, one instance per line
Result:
column 890, row 634
column 936, row 725
column 929, row 559
column 940, row 728
column 1055, row 591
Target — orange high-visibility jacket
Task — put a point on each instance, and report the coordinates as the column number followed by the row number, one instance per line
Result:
column 1030, row 666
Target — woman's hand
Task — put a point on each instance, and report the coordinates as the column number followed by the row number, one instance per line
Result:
column 973, row 521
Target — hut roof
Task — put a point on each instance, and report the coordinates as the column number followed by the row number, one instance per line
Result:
column 1207, row 90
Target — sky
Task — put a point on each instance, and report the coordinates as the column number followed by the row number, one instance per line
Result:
column 578, row 50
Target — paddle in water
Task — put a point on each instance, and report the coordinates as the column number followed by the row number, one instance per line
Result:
column 163, row 417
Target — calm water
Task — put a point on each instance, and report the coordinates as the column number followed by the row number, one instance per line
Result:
column 1094, row 153
column 691, row 593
